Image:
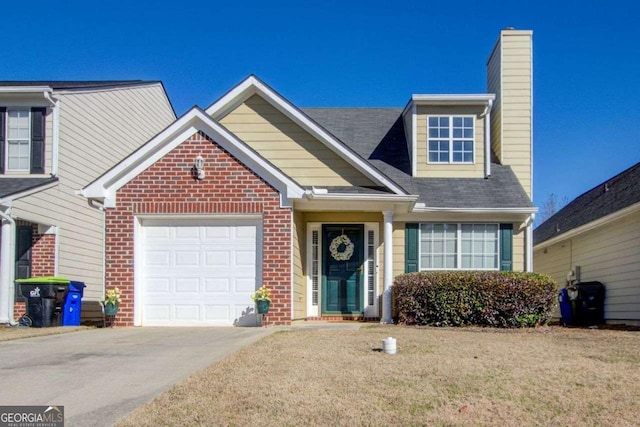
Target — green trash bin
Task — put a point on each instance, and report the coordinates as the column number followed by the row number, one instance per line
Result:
column 45, row 296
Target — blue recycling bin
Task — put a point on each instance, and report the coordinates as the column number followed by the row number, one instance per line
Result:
column 566, row 307
column 72, row 307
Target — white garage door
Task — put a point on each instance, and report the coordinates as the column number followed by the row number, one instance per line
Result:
column 198, row 274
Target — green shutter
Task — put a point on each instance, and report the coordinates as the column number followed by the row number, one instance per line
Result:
column 506, row 247
column 3, row 140
column 411, row 241
column 37, row 139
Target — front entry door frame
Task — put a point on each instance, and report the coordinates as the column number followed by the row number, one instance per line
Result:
column 369, row 287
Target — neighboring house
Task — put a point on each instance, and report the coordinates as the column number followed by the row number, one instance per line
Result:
column 596, row 237
column 323, row 205
column 55, row 137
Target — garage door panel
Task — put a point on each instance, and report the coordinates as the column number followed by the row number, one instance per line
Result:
column 217, row 286
column 187, row 285
column 187, row 312
column 198, row 274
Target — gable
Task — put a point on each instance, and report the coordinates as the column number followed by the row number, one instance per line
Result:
column 290, row 148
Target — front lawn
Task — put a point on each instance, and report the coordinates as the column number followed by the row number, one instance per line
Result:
column 448, row 376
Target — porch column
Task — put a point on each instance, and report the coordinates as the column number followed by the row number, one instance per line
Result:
column 6, row 268
column 388, row 267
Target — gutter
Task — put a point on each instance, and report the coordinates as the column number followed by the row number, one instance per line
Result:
column 323, row 194
column 55, row 107
column 420, row 207
column 487, row 138
column 7, row 269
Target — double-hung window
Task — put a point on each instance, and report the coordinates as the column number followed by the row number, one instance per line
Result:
column 18, row 140
column 22, row 139
column 450, row 139
column 459, row 246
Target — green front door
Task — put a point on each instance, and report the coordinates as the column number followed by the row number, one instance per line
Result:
column 342, row 269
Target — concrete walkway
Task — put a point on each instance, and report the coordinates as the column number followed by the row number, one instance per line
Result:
column 100, row 376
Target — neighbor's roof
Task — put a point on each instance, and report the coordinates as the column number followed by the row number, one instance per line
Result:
column 11, row 186
column 617, row 193
column 62, row 85
column 378, row 135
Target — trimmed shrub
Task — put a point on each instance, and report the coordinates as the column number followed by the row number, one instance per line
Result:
column 502, row 299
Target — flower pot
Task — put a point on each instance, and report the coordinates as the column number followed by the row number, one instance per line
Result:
column 110, row 309
column 263, row 306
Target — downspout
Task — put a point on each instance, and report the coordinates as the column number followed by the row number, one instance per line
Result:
column 528, row 247
column 55, row 144
column 487, row 138
column 7, row 268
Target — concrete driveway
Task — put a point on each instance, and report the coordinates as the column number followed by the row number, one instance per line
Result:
column 101, row 375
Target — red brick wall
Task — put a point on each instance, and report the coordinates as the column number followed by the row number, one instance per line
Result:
column 168, row 187
column 43, row 261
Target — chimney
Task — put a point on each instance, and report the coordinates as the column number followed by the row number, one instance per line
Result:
column 510, row 78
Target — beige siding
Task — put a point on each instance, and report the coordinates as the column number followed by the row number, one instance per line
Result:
column 518, row 247
column 609, row 254
column 425, row 169
column 398, row 248
column 290, row 148
column 299, row 276
column 509, row 76
column 97, row 130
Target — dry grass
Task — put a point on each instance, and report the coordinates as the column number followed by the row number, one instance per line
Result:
column 8, row 333
column 546, row 376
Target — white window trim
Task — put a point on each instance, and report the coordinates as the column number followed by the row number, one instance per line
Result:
column 369, row 310
column 7, row 169
column 458, row 247
column 450, row 142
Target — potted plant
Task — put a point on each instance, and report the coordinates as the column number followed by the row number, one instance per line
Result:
column 262, row 298
column 111, row 302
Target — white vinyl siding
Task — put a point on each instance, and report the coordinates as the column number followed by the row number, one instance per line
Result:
column 447, row 246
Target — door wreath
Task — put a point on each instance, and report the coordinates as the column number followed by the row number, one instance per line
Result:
column 346, row 253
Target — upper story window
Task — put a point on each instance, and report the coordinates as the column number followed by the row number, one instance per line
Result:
column 459, row 246
column 22, row 139
column 18, row 140
column 450, row 139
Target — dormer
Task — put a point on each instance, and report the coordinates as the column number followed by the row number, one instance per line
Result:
column 449, row 135
column 26, row 130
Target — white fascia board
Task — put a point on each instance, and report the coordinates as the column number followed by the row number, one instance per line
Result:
column 106, row 187
column 421, row 207
column 70, row 91
column 25, row 89
column 6, row 201
column 361, row 197
column 589, row 226
column 252, row 85
column 449, row 99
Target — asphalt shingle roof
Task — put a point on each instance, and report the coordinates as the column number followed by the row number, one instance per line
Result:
column 617, row 193
column 378, row 135
column 9, row 186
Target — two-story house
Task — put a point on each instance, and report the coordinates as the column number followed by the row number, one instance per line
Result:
column 55, row 137
column 325, row 206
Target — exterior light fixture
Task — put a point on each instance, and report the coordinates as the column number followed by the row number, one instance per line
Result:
column 198, row 165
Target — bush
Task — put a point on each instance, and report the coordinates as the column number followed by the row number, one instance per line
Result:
column 460, row 298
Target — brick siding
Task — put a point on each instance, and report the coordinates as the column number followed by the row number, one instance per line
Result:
column 168, row 187
column 43, row 260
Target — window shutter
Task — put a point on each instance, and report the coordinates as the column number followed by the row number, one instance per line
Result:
column 411, row 241
column 506, row 247
column 37, row 140
column 3, row 139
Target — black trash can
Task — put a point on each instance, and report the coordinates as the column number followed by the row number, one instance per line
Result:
column 44, row 296
column 589, row 309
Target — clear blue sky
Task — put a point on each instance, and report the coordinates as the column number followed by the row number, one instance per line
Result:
column 360, row 53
